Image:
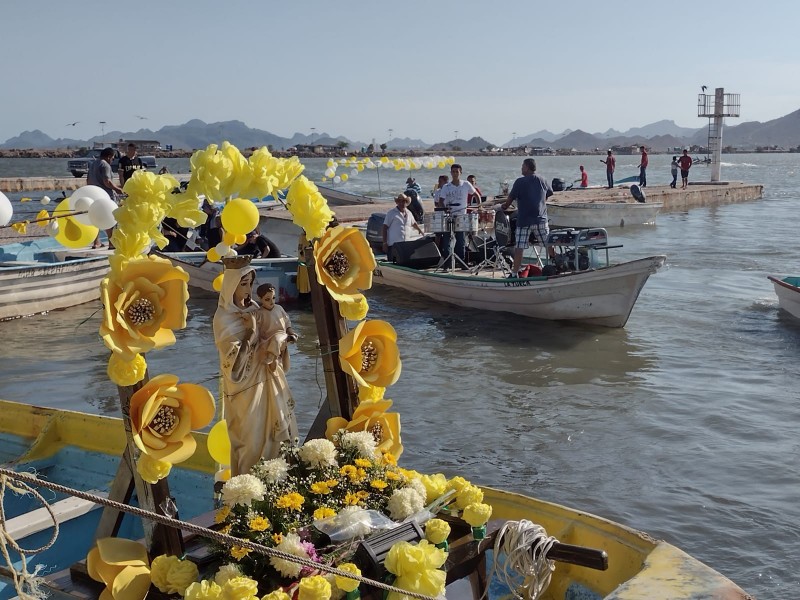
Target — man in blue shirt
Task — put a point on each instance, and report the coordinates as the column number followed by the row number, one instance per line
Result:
column 531, row 192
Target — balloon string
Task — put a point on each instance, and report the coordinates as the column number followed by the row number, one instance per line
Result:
column 58, row 216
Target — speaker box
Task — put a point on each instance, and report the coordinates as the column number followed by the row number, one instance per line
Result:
column 417, row 254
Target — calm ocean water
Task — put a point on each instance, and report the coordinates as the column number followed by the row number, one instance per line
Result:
column 683, row 424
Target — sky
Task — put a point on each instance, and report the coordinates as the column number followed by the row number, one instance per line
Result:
column 423, row 69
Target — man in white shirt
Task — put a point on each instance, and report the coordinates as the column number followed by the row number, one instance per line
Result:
column 453, row 196
column 399, row 225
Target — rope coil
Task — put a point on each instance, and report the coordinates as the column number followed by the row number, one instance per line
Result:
column 223, row 539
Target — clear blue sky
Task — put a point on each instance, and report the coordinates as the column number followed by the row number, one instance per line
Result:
column 424, row 68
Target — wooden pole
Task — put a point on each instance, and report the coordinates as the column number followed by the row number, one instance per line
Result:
column 331, row 326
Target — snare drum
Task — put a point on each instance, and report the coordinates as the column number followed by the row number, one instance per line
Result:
column 467, row 222
column 436, row 222
column 486, row 218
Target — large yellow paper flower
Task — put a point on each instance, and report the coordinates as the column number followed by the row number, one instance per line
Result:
column 163, row 414
column 219, row 172
column 122, row 565
column 369, row 353
column 185, row 208
column 308, row 207
column 171, row 575
column 344, row 262
column 142, row 305
column 372, row 417
column 416, row 568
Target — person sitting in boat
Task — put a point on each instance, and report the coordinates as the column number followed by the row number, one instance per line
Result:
column 211, row 230
column 399, row 225
column 411, row 184
column 415, row 206
column 258, row 246
column 474, row 199
column 274, row 327
column 175, row 234
column 584, row 178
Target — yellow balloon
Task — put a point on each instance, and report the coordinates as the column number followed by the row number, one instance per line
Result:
column 217, row 283
column 240, row 239
column 71, row 233
column 345, row 177
column 240, row 216
column 229, row 238
column 212, row 255
column 360, row 168
column 219, row 444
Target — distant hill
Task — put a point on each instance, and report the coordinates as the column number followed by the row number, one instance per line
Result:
column 661, row 135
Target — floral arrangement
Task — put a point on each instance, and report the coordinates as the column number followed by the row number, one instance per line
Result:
column 313, row 501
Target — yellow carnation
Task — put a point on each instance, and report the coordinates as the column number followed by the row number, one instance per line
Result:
column 477, row 514
column 314, row 587
column 126, row 372
column 435, row 486
column 345, row 583
column 238, row 552
column 277, row 595
column 469, row 494
column 437, row 531
column 152, row 470
column 203, row 590
column 239, row 588
column 354, row 308
column 172, row 575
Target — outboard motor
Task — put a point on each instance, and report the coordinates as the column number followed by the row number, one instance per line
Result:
column 558, row 184
column 503, row 230
column 375, row 230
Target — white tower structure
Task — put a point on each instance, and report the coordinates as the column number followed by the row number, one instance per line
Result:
column 716, row 107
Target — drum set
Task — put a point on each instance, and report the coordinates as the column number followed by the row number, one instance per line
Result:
column 469, row 223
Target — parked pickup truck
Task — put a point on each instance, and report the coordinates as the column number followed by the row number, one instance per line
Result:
column 79, row 167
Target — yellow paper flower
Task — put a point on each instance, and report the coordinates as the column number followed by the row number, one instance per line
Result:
column 142, row 305
column 457, row 483
column 372, row 417
column 171, row 575
column 163, row 414
column 239, row 588
column 259, row 523
column 122, row 565
column 369, row 353
column 354, row 308
column 367, row 393
column 126, row 372
column 437, row 531
column 469, row 494
column 151, row 469
column 203, row 590
column 435, row 486
column 314, row 587
column 416, row 568
column 343, row 262
column 218, row 172
column 477, row 514
column 345, row 583
column 129, row 245
column 308, row 207
column 185, row 208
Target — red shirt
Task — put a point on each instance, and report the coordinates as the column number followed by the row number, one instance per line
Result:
column 584, row 179
column 644, row 159
column 685, row 162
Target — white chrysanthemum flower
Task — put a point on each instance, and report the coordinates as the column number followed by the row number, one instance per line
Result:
column 362, row 441
column 272, row 471
column 291, row 545
column 404, row 503
column 318, row 453
column 336, row 593
column 226, row 573
column 242, row 489
column 416, row 484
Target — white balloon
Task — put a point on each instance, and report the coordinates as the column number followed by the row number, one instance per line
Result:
column 101, row 213
column 354, row 173
column 52, row 228
column 45, row 200
column 231, row 253
column 84, row 203
column 91, row 191
column 222, row 248
column 329, row 173
column 337, row 179
column 5, row 209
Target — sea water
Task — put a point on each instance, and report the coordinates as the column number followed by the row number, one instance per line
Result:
column 683, row 424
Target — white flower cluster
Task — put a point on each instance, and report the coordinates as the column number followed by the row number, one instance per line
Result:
column 318, row 453
column 361, row 441
column 242, row 489
column 291, row 545
column 272, row 471
column 353, row 522
column 404, row 503
column 226, row 573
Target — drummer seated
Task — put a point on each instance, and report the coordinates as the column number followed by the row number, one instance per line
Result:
column 399, row 225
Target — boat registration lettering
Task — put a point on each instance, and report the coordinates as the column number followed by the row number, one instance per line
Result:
column 38, row 272
column 522, row 283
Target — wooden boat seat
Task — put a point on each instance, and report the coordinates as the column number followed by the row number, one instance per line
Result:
column 39, row 519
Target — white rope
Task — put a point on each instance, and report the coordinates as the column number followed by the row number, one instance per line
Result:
column 28, row 585
column 526, row 570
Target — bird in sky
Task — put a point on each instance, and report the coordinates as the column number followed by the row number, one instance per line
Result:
column 140, row 117
column 703, row 88
column 72, row 124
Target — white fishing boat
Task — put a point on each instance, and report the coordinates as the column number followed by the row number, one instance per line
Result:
column 602, row 213
column 280, row 272
column 38, row 276
column 788, row 292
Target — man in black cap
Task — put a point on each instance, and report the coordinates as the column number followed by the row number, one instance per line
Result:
column 413, row 191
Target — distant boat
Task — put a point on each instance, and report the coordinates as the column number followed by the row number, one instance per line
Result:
column 788, row 292
column 602, row 214
column 39, row 276
column 341, row 198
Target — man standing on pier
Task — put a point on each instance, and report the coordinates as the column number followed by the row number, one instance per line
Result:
column 685, row 163
column 129, row 164
column 610, row 162
column 643, row 168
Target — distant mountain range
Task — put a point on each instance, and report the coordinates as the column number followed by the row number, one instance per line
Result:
column 782, row 132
